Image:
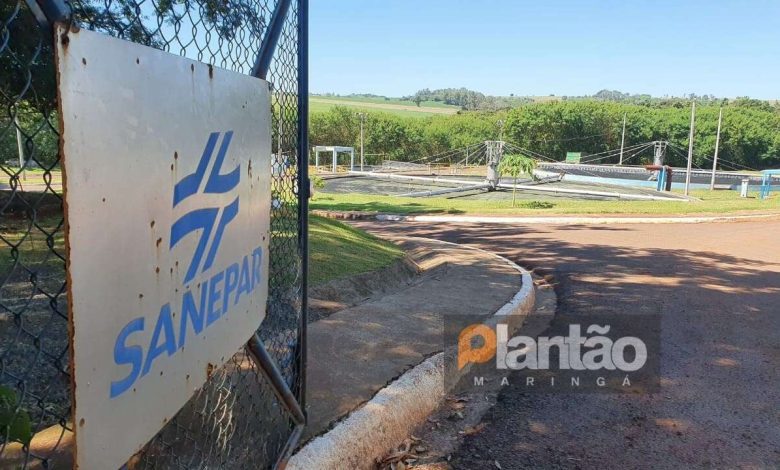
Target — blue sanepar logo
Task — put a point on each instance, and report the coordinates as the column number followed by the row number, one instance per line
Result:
column 203, row 219
column 195, row 306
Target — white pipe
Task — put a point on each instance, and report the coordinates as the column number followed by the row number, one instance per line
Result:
column 438, row 192
column 392, row 176
column 523, row 186
column 589, row 193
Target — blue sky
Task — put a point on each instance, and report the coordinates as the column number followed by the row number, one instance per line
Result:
column 563, row 47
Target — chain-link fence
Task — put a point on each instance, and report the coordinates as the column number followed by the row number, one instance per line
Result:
column 240, row 417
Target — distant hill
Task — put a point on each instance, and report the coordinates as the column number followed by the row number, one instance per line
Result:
column 428, row 102
column 471, row 100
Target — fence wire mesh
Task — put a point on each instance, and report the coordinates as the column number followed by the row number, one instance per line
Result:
column 235, row 420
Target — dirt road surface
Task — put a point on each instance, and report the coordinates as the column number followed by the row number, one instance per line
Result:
column 717, row 288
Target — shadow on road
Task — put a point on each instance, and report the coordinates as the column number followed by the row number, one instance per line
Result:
column 717, row 289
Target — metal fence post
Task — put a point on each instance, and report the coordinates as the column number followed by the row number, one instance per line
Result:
column 268, row 47
column 304, row 184
column 250, row 412
column 48, row 12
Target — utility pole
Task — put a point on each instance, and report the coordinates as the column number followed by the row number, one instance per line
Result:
column 20, row 148
column 623, row 139
column 690, row 150
column 717, row 145
column 362, row 121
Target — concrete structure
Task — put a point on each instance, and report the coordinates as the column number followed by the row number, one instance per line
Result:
column 494, row 150
column 766, row 181
column 352, row 369
column 334, row 150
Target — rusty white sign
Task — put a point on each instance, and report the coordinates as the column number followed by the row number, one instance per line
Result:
column 167, row 167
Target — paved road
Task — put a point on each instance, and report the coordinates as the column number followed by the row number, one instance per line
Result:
column 717, row 287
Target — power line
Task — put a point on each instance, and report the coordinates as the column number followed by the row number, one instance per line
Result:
column 721, row 159
column 615, row 153
column 444, row 154
column 577, row 138
column 636, row 153
column 684, row 155
column 733, row 164
column 580, row 169
column 610, row 152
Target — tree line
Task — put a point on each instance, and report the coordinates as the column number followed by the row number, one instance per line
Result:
column 468, row 100
column 392, row 137
column 750, row 135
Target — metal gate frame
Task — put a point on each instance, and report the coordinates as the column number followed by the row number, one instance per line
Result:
column 49, row 12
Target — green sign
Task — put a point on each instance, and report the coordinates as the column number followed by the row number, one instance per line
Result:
column 573, row 157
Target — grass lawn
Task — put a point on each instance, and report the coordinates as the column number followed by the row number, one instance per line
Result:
column 711, row 202
column 31, row 243
column 337, row 250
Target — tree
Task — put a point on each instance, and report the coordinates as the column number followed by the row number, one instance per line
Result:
column 750, row 136
column 515, row 165
column 27, row 55
column 317, row 182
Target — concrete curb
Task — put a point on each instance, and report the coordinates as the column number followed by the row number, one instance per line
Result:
column 572, row 220
column 389, row 417
column 551, row 220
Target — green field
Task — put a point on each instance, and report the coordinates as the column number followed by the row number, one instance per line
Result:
column 719, row 202
column 30, row 243
column 385, row 100
column 337, row 250
column 397, row 106
column 391, row 105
